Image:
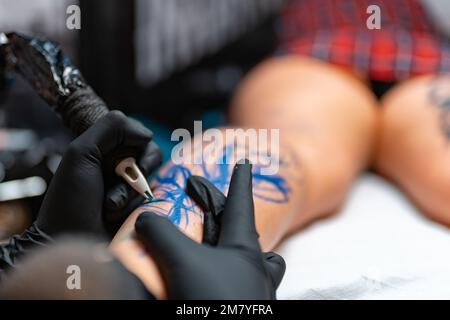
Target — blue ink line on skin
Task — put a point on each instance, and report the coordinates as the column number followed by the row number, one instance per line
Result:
column 153, row 200
column 220, row 176
column 272, row 188
column 174, row 192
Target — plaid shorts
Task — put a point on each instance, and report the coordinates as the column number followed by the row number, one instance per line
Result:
column 335, row 31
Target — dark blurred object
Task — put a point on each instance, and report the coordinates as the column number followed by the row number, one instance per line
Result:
column 3, row 41
column 43, row 64
column 27, row 160
column 32, row 138
column 28, row 155
column 27, row 164
column 42, row 272
column 171, row 35
column 188, row 86
column 49, row 71
column 3, row 71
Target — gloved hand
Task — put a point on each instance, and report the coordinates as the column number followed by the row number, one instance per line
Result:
column 234, row 269
column 86, row 195
column 212, row 201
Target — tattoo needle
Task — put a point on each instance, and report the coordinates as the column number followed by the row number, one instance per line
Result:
column 130, row 172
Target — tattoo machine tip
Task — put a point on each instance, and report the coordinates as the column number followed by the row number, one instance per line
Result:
column 128, row 170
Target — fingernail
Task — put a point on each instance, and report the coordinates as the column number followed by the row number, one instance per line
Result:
column 243, row 161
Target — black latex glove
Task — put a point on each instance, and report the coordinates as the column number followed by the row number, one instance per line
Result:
column 20, row 245
column 212, row 201
column 234, row 269
column 86, row 195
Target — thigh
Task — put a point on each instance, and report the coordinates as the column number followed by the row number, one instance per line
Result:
column 414, row 142
column 327, row 113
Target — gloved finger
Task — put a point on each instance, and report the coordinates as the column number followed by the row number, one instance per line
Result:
column 211, row 229
column 276, row 266
column 118, row 196
column 238, row 219
column 115, row 131
column 212, row 201
column 119, row 204
column 150, row 159
column 205, row 194
column 166, row 244
column 128, row 133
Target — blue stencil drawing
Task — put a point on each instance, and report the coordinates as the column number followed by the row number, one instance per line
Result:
column 172, row 184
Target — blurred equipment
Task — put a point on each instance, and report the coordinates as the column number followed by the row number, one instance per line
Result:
column 31, row 144
column 27, row 164
column 52, row 75
column 3, row 71
column 161, row 58
column 173, row 34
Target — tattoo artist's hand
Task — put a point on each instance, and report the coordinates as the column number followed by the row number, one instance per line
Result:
column 234, row 269
column 86, row 195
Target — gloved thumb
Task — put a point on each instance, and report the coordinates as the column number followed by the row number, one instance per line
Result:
column 276, row 267
column 163, row 241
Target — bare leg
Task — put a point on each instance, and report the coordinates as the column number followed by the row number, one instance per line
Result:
column 414, row 148
column 327, row 123
column 327, row 114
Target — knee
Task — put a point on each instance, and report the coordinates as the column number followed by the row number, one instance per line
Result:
column 427, row 182
column 405, row 100
column 408, row 125
column 435, row 200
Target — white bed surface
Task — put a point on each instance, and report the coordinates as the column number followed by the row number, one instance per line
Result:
column 377, row 247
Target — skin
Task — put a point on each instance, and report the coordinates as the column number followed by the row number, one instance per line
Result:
column 325, row 141
column 413, row 149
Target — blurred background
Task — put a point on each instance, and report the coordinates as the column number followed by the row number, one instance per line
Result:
column 165, row 62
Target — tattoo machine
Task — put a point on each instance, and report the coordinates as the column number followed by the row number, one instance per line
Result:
column 52, row 75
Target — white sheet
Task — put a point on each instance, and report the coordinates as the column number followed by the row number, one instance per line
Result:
column 378, row 247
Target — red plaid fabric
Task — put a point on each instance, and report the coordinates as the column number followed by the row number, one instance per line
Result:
column 335, row 31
